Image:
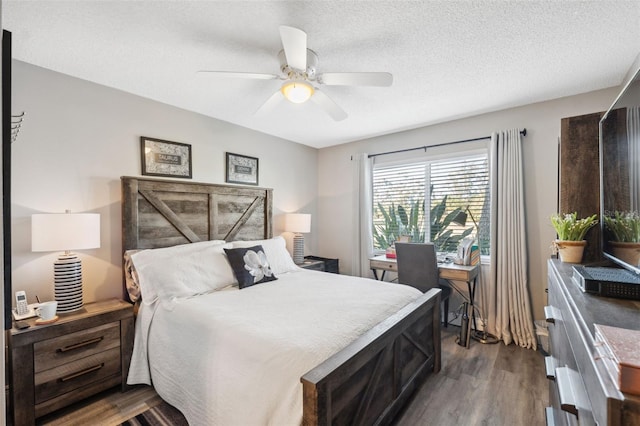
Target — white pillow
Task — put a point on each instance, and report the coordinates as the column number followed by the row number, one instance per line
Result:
column 182, row 271
column 276, row 251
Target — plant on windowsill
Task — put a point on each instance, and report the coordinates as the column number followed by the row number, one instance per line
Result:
column 624, row 230
column 571, row 231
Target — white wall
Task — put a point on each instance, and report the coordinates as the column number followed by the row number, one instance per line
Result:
column 542, row 121
column 78, row 138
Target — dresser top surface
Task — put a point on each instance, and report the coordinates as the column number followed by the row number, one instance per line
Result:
column 596, row 309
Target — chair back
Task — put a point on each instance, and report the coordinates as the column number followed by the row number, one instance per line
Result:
column 417, row 265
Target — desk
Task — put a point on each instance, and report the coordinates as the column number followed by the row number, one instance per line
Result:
column 448, row 271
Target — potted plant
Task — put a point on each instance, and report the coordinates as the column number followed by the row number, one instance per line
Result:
column 624, row 229
column 571, row 231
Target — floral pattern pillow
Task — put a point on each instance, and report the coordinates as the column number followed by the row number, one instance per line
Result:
column 250, row 265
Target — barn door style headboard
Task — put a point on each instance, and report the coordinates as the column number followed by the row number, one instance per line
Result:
column 162, row 213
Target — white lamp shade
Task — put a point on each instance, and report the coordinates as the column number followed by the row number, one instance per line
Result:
column 297, row 222
column 65, row 231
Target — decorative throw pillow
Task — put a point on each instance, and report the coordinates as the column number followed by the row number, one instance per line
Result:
column 250, row 265
column 275, row 248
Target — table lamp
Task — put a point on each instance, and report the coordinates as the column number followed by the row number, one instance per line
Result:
column 461, row 219
column 298, row 223
column 65, row 232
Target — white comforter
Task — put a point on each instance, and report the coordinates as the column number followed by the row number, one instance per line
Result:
column 235, row 357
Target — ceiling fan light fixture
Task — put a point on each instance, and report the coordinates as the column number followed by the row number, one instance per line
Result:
column 297, row 91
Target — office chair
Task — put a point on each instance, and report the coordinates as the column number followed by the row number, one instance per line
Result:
column 418, row 267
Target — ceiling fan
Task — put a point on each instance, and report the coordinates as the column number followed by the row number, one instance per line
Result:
column 298, row 71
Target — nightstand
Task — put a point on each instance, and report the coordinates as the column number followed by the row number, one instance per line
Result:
column 314, row 265
column 81, row 354
column 327, row 264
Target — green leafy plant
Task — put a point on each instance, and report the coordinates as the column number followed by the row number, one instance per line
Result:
column 570, row 228
column 624, row 226
column 398, row 222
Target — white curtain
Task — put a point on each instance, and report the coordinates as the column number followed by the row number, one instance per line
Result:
column 633, row 136
column 505, row 295
column 362, row 215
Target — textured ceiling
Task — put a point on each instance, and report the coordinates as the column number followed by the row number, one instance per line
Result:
column 449, row 59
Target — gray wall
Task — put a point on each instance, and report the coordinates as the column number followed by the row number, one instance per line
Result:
column 78, row 138
column 540, row 152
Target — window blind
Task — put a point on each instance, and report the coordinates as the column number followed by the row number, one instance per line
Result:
column 400, row 192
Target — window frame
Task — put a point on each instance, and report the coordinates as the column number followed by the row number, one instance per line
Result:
column 428, row 159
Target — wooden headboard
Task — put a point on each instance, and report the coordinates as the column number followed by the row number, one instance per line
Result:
column 162, row 213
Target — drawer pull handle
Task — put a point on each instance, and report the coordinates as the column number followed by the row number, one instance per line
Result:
column 550, row 367
column 81, row 373
column 573, row 397
column 551, row 314
column 568, row 400
column 81, row 344
column 548, row 416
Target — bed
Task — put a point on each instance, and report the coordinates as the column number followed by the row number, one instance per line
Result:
column 305, row 348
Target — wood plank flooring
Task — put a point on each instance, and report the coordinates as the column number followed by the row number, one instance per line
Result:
column 484, row 385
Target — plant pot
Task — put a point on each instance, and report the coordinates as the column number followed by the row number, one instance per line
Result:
column 570, row 251
column 627, row 252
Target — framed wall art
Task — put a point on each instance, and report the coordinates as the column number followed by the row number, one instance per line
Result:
column 241, row 169
column 165, row 158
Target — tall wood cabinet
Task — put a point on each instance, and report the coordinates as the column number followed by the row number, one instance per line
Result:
column 580, row 389
column 579, row 174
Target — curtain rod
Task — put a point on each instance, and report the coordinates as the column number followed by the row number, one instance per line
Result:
column 522, row 132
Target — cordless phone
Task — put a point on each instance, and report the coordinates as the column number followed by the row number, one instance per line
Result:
column 21, row 303
column 23, row 310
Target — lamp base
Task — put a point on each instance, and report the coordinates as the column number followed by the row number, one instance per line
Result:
column 67, row 272
column 298, row 249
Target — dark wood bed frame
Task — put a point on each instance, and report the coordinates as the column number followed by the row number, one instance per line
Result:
column 366, row 383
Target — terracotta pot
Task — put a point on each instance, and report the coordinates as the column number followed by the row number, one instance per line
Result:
column 627, row 252
column 570, row 251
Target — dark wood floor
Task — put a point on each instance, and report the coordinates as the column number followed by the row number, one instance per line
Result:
column 483, row 385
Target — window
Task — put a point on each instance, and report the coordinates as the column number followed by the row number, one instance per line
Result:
column 448, row 185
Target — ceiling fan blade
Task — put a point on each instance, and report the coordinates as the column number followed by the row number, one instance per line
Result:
column 294, row 42
column 356, row 79
column 270, row 103
column 248, row 75
column 328, row 105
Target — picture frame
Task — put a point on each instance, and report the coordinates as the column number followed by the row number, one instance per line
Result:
column 241, row 169
column 165, row 158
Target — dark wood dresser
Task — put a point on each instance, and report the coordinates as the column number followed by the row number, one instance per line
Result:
column 581, row 390
column 79, row 355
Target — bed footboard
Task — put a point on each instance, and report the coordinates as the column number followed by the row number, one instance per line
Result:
column 369, row 381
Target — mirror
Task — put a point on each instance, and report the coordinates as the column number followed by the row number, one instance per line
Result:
column 620, row 178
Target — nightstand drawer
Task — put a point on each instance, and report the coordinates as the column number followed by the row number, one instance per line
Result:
column 67, row 377
column 61, row 350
